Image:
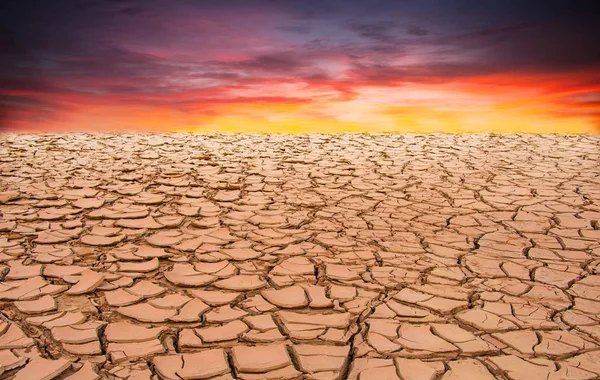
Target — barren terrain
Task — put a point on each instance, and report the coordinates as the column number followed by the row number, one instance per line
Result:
column 362, row 257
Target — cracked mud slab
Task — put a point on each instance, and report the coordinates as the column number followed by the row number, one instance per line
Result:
column 409, row 257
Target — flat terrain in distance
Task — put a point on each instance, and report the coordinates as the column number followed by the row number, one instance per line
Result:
column 412, row 257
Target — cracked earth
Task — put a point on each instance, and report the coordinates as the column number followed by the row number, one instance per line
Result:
column 400, row 257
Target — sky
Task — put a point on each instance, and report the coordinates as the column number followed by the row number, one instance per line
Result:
column 291, row 66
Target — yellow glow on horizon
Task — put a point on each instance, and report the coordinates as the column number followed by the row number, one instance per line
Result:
column 276, row 120
column 458, row 108
column 438, row 123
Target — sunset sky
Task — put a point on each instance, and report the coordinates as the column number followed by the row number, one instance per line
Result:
column 300, row 65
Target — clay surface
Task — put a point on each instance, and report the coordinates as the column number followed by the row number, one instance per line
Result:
column 299, row 257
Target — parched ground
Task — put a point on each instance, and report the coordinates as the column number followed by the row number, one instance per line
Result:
column 412, row 257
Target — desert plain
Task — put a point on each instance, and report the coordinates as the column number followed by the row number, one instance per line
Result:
column 350, row 256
